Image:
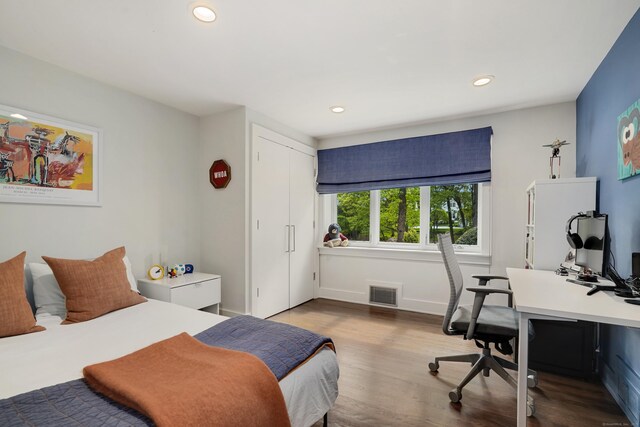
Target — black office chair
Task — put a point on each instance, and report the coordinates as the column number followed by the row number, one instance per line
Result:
column 486, row 324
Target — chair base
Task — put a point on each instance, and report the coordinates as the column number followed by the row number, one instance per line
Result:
column 484, row 363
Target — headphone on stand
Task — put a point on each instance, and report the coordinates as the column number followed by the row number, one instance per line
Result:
column 574, row 239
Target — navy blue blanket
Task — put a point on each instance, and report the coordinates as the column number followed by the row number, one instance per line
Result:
column 281, row 347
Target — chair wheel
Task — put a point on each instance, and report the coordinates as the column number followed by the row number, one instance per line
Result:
column 531, row 409
column 455, row 396
column 532, row 381
column 433, row 367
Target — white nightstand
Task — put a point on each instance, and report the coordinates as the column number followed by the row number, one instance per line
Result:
column 196, row 290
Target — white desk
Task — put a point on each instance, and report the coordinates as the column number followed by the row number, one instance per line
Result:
column 541, row 294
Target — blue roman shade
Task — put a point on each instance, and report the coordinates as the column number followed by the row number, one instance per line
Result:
column 450, row 158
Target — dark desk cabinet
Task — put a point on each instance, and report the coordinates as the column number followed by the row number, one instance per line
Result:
column 565, row 348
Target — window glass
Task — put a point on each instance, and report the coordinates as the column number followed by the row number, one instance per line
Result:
column 353, row 214
column 454, row 210
column 397, row 217
column 400, row 215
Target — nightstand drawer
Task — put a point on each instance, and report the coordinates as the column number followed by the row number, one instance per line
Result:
column 197, row 295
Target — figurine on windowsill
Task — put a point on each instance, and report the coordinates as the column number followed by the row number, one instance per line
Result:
column 334, row 238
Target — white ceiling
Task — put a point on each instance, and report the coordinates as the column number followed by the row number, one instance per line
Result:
column 387, row 62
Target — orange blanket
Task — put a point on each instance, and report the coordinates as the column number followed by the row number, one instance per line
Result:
column 183, row 382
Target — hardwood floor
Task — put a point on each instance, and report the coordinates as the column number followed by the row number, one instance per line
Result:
column 385, row 381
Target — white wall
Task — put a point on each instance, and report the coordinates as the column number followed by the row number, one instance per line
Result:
column 223, row 231
column 517, row 159
column 148, row 191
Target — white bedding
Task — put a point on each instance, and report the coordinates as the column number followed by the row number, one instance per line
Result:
column 57, row 355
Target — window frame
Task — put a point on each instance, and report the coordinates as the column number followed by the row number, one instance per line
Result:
column 484, row 223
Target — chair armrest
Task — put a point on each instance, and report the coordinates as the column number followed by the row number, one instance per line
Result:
column 481, row 292
column 490, row 290
column 483, row 279
column 489, row 277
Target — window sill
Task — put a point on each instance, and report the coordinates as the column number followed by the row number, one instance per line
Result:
column 404, row 254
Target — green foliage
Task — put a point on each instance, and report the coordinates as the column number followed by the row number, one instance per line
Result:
column 390, row 204
column 459, row 198
column 353, row 214
column 412, row 236
column 470, row 237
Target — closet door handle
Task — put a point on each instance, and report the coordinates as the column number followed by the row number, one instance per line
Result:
column 293, row 227
column 287, row 236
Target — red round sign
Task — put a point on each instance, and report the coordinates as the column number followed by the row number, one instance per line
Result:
column 220, row 174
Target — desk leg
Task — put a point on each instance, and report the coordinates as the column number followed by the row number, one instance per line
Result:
column 523, row 364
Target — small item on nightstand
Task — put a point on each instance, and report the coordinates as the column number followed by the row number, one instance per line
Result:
column 188, row 269
column 156, row 272
column 172, row 272
column 180, row 269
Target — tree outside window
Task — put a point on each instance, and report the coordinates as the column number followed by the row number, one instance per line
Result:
column 454, row 210
column 400, row 215
column 354, row 214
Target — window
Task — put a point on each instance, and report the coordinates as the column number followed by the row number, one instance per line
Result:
column 415, row 216
column 353, row 213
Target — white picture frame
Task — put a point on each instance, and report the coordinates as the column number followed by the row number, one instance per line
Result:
column 47, row 160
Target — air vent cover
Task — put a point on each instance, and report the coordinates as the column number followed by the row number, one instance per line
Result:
column 384, row 296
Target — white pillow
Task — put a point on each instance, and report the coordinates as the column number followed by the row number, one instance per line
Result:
column 47, row 294
column 132, row 280
column 46, row 291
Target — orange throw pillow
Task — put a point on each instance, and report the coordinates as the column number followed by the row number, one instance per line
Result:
column 94, row 288
column 16, row 317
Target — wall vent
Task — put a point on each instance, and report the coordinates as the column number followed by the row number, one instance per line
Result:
column 384, row 296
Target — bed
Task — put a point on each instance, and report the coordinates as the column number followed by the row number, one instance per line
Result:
column 58, row 354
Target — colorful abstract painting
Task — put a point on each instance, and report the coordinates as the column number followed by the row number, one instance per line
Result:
column 47, row 160
column 628, row 141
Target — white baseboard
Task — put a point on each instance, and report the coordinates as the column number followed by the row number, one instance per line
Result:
column 423, row 306
column 230, row 313
column 409, row 304
column 342, row 295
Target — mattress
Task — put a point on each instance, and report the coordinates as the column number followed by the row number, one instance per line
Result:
column 57, row 355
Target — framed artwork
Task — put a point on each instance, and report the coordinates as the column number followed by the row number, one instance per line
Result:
column 628, row 142
column 48, row 160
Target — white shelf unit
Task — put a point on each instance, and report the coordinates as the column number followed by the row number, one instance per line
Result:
column 551, row 202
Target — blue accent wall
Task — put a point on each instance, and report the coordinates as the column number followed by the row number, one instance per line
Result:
column 612, row 89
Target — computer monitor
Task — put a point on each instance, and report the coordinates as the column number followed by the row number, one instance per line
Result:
column 593, row 254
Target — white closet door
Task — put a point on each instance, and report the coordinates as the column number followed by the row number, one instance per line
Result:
column 271, row 230
column 302, row 208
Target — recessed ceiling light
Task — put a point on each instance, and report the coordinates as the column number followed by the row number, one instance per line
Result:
column 483, row 80
column 337, row 109
column 204, row 13
column 18, row 116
